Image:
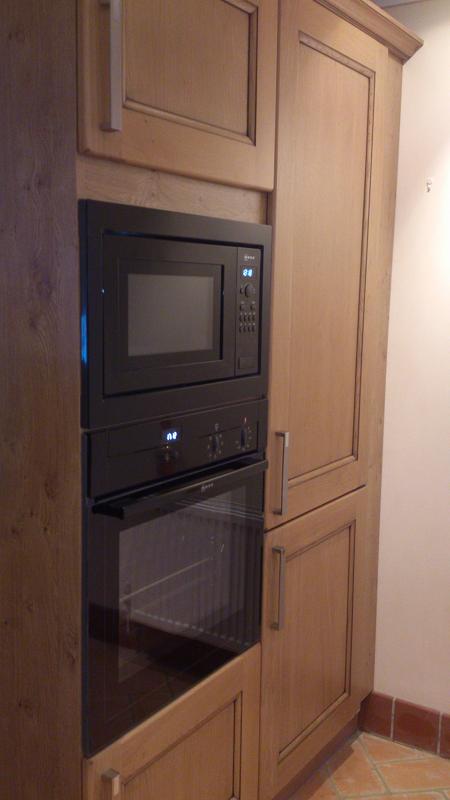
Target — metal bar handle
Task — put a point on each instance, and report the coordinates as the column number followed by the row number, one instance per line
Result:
column 115, row 102
column 113, row 784
column 281, row 553
column 144, row 501
column 284, row 474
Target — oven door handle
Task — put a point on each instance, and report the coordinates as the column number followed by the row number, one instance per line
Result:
column 134, row 505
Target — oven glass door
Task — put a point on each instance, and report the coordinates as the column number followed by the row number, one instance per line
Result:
column 173, row 594
column 169, row 313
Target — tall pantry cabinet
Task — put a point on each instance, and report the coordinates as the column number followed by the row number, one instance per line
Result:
column 332, row 211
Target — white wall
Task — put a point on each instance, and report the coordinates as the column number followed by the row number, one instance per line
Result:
column 413, row 630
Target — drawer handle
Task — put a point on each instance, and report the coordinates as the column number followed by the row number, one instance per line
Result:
column 112, row 779
column 284, row 474
column 114, row 120
column 281, row 553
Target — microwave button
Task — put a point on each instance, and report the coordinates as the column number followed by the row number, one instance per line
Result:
column 247, row 362
column 249, row 290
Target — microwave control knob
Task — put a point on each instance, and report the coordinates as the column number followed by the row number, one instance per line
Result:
column 250, row 290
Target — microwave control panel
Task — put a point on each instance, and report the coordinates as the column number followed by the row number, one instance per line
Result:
column 248, row 299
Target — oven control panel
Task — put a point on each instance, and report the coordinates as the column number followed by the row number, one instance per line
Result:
column 139, row 454
column 248, row 311
column 232, row 442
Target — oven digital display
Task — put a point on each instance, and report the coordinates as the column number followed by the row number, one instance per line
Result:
column 248, row 272
column 170, row 435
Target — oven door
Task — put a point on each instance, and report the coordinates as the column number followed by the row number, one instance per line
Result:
column 169, row 311
column 173, row 581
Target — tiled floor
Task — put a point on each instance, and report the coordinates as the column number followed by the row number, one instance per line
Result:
column 369, row 766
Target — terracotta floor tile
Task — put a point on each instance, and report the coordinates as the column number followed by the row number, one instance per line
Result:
column 425, row 773
column 352, row 771
column 385, row 750
column 412, row 796
column 318, row 787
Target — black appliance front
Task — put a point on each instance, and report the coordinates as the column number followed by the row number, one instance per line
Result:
column 173, row 592
column 174, row 312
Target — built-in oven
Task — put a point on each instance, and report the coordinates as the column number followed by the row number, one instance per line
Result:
column 173, row 589
column 174, row 312
column 174, row 351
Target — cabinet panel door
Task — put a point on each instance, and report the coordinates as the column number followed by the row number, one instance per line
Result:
column 203, row 746
column 326, row 216
column 314, row 650
column 187, row 87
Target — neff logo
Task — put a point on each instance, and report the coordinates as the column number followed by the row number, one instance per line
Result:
column 248, row 257
column 206, row 486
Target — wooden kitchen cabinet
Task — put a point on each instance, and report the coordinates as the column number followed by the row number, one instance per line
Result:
column 337, row 126
column 186, row 87
column 333, row 207
column 315, row 654
column 202, row 746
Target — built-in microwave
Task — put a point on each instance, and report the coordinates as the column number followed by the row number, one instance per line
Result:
column 174, row 312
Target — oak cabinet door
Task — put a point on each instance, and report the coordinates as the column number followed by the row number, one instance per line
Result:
column 316, row 646
column 203, row 746
column 327, row 227
column 186, row 87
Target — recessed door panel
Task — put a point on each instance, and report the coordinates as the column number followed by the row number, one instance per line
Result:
column 319, row 589
column 329, row 261
column 204, row 759
column 162, row 75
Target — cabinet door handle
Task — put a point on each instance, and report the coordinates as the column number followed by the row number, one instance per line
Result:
column 281, row 553
column 284, row 474
column 112, row 781
column 115, row 102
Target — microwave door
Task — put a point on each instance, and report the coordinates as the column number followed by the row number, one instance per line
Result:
column 169, row 313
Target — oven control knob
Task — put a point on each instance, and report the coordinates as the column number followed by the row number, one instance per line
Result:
column 244, row 438
column 249, row 290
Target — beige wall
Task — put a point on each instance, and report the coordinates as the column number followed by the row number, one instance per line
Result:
column 413, row 630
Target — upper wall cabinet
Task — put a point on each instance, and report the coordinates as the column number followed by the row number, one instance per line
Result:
column 186, row 87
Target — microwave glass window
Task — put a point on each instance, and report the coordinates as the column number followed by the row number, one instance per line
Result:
column 170, row 313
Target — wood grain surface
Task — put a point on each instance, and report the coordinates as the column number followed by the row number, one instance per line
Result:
column 40, row 532
column 99, row 179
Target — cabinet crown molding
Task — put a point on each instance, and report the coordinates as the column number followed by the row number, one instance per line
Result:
column 375, row 21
